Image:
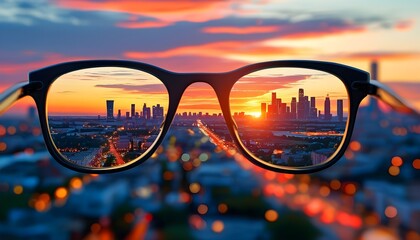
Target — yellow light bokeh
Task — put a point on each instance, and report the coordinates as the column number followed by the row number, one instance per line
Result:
column 271, row 215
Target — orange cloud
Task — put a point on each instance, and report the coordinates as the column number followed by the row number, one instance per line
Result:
column 48, row 59
column 331, row 30
column 404, row 25
column 196, row 11
column 145, row 24
column 377, row 55
column 241, row 30
column 218, row 49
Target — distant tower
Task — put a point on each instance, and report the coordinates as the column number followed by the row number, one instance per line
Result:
column 327, row 109
column 373, row 102
column 157, row 112
column 274, row 106
column 119, row 114
column 340, row 110
column 313, row 111
column 301, row 93
column 301, row 104
column 293, row 106
column 146, row 112
column 31, row 113
column 109, row 110
column 374, row 70
column 263, row 110
column 133, row 110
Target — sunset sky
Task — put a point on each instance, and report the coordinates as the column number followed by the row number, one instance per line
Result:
column 201, row 36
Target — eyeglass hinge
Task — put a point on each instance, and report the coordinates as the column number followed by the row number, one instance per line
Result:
column 366, row 87
column 32, row 86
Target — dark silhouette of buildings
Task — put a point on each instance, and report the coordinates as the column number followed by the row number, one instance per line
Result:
column 146, row 112
column 303, row 109
column 133, row 110
column 327, row 109
column 157, row 112
column 340, row 110
column 109, row 110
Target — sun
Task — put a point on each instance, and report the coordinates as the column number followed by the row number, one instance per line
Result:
column 255, row 114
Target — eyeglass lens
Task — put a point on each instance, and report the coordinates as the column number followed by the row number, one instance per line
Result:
column 107, row 116
column 290, row 116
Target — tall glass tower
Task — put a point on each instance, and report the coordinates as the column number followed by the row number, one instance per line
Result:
column 109, row 110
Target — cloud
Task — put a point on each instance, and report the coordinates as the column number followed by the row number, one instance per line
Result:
column 376, row 55
column 241, row 30
column 145, row 24
column 169, row 11
column 404, row 25
column 217, row 49
column 30, row 12
column 44, row 60
column 141, row 89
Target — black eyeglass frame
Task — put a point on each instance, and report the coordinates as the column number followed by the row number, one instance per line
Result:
column 357, row 83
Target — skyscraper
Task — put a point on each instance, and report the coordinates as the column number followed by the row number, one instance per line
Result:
column 301, row 93
column 373, row 102
column 109, row 110
column 327, row 109
column 340, row 109
column 274, row 106
column 306, row 107
column 263, row 110
column 146, row 112
column 301, row 105
column 133, row 110
column 119, row 114
column 313, row 111
column 293, row 106
column 158, row 112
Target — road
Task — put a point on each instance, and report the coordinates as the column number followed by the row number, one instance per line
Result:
column 332, row 213
column 118, row 159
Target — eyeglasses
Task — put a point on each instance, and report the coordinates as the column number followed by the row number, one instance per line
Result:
column 286, row 116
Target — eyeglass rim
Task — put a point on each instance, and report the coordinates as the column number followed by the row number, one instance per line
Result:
column 176, row 83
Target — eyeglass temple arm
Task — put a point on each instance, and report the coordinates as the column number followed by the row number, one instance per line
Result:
column 14, row 93
column 386, row 94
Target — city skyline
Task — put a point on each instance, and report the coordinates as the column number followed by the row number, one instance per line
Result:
column 154, row 112
column 303, row 109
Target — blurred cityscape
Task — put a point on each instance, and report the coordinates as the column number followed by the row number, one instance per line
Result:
column 197, row 186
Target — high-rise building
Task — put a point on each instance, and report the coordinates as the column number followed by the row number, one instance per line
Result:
column 278, row 105
column 282, row 109
column 301, row 93
column 307, row 107
column 313, row 103
column 109, row 110
column 158, row 112
column 133, row 110
column 340, row 109
column 119, row 114
column 313, row 110
column 274, row 106
column 31, row 113
column 127, row 115
column 146, row 112
column 263, row 110
column 373, row 102
column 293, row 107
column 327, row 109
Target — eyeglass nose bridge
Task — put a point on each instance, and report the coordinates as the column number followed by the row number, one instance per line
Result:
column 221, row 83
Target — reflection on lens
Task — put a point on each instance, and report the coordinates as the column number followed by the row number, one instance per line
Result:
column 105, row 117
column 290, row 116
